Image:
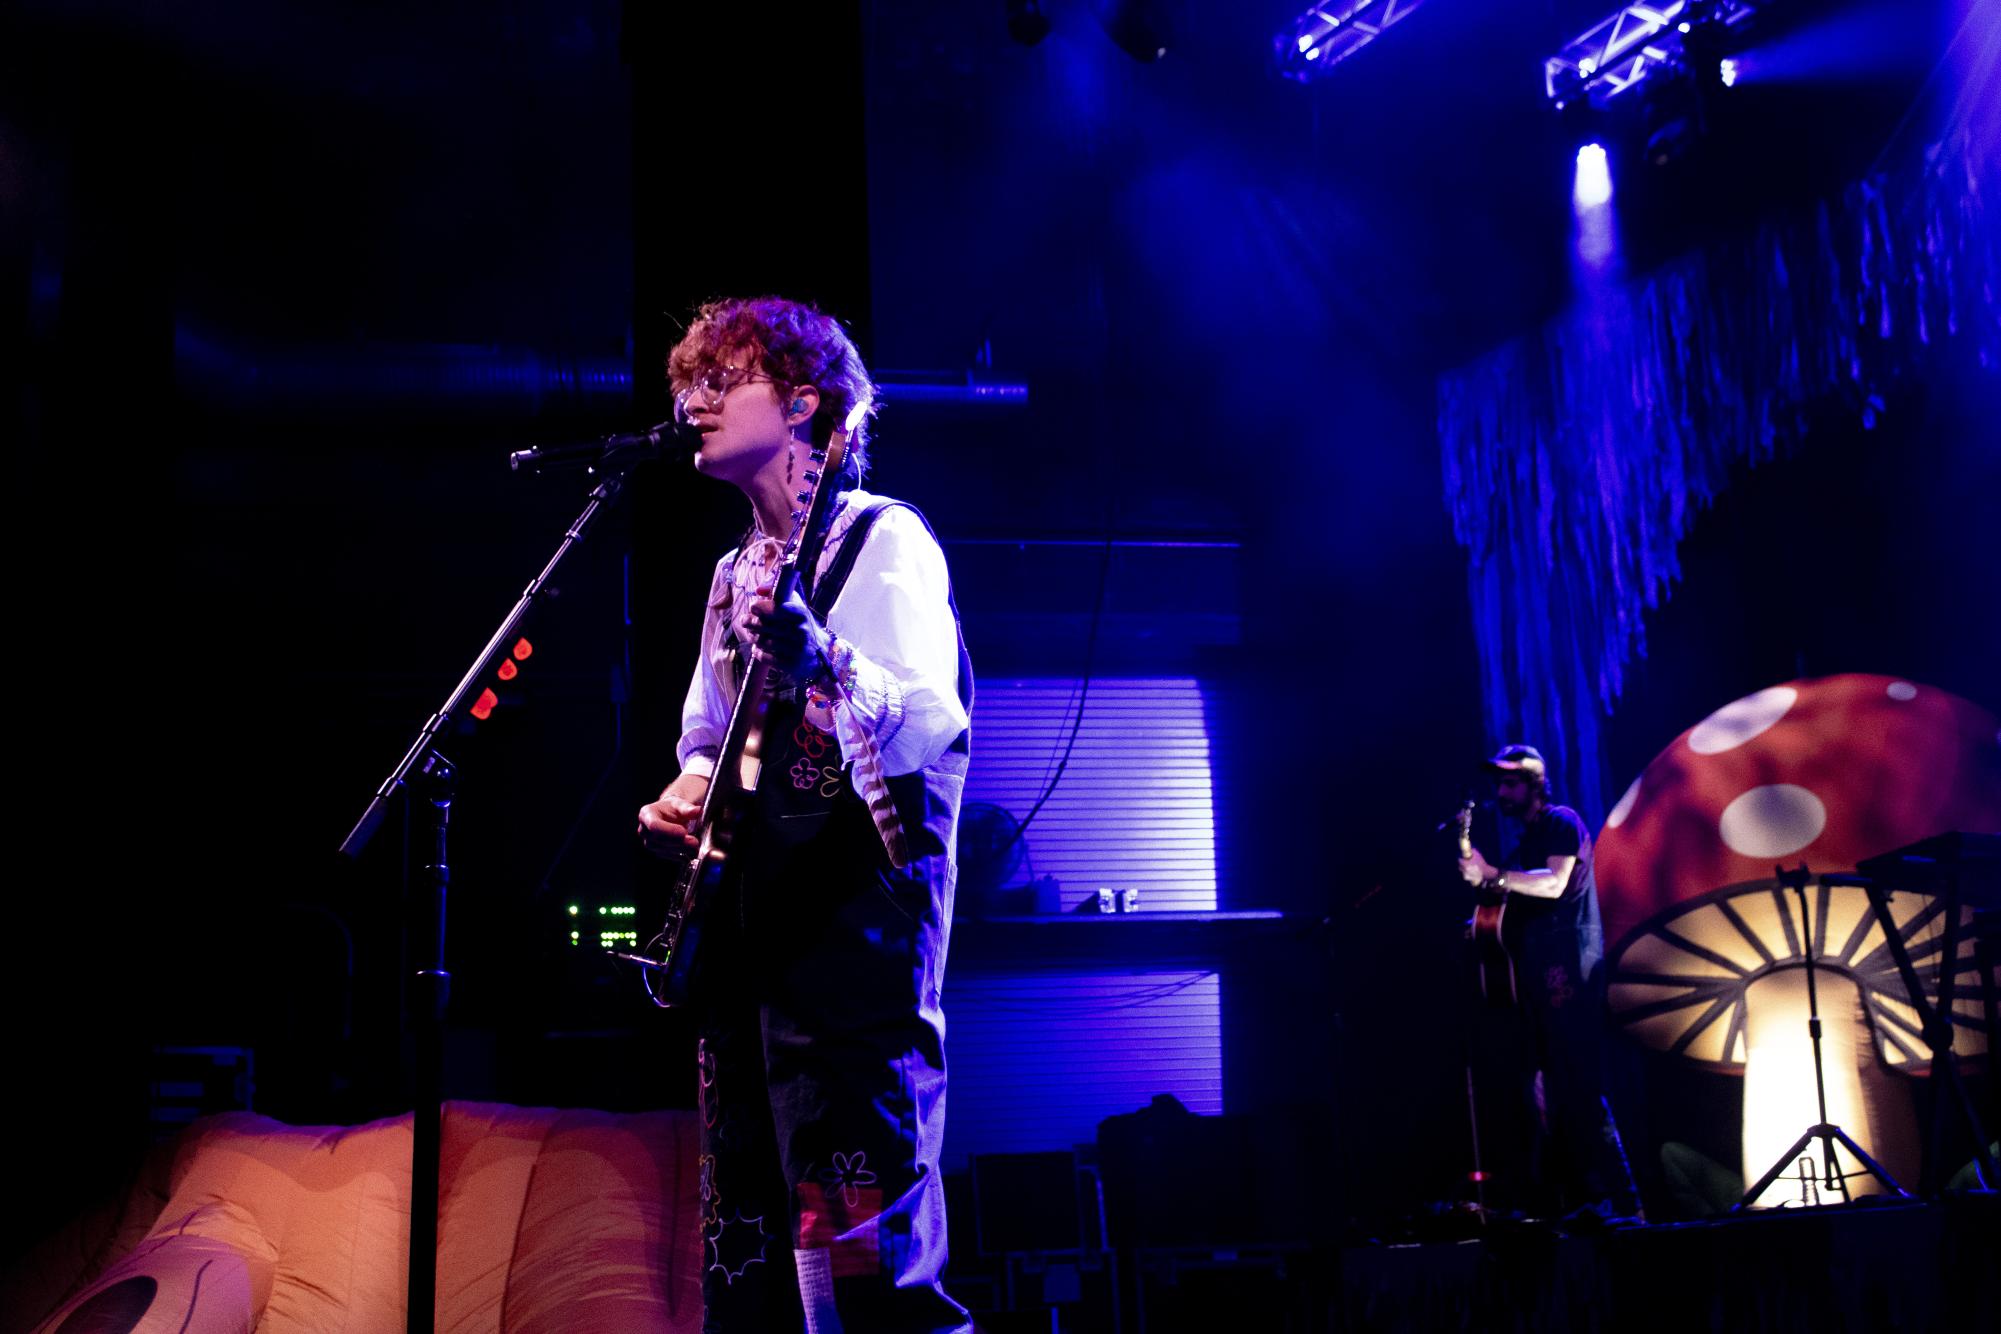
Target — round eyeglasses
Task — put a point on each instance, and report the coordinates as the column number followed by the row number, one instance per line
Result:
column 708, row 390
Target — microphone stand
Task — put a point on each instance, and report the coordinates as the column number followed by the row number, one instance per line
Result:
column 424, row 769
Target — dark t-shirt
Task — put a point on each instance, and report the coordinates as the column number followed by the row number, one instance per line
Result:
column 1562, row 933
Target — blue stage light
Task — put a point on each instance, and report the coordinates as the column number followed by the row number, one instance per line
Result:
column 1595, row 238
column 1593, row 185
column 1328, row 33
column 1618, row 52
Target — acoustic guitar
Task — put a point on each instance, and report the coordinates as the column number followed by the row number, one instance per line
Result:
column 1490, row 945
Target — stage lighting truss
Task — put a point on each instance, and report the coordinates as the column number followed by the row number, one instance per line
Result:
column 1616, row 54
column 1328, row 34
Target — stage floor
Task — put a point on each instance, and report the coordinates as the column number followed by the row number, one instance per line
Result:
column 1861, row 1267
column 1907, row 1267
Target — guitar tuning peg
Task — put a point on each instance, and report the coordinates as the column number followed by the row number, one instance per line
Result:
column 818, row 455
column 812, row 476
column 803, row 497
column 798, row 515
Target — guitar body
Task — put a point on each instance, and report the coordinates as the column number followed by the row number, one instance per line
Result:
column 679, row 943
column 1495, row 963
column 1490, row 950
column 672, row 955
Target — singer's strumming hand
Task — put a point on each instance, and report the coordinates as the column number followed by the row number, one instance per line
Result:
column 667, row 826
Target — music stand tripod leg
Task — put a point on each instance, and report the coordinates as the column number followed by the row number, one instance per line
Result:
column 1874, row 1168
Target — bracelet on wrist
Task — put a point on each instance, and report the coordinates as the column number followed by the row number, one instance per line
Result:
column 840, row 663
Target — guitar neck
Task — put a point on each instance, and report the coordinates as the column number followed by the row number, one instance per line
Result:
column 740, row 759
column 744, row 741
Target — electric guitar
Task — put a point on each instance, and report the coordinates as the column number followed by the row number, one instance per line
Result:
column 670, row 957
column 1490, row 945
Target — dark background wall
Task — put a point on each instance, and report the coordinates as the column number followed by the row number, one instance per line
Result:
column 291, row 282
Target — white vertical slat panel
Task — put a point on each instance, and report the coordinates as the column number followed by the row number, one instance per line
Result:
column 1132, row 810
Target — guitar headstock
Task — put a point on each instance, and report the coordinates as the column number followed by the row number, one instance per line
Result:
column 823, row 480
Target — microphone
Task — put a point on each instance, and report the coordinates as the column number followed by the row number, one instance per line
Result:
column 1469, row 804
column 669, row 440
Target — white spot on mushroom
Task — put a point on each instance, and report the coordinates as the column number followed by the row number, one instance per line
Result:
column 1739, row 721
column 1901, row 690
column 1772, row 821
column 1625, row 806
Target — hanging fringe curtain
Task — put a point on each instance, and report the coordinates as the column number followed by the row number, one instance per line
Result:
column 1578, row 456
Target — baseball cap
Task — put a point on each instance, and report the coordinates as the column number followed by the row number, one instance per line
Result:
column 1519, row 759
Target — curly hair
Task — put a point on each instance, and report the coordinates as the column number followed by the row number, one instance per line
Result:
column 796, row 345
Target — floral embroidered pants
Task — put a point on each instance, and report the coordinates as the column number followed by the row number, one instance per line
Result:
column 822, row 1092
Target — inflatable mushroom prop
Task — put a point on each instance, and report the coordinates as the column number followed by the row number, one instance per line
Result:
column 1708, row 949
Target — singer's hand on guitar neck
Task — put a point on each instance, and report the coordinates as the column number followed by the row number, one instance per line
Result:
column 789, row 637
column 1475, row 869
column 666, row 826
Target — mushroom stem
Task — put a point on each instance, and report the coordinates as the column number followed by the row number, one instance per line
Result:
column 1779, row 1096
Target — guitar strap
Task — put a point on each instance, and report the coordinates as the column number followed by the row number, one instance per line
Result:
column 874, row 784
column 823, row 591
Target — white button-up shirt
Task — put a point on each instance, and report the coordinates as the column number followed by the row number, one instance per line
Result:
column 894, row 612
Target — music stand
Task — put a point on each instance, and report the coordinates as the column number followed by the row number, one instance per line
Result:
column 1823, row 1130
column 1934, row 865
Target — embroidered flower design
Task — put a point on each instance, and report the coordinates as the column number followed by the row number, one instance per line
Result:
column 848, row 1174
column 729, row 1241
column 805, row 775
column 810, row 739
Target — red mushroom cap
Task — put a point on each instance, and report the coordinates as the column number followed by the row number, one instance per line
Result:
column 1828, row 771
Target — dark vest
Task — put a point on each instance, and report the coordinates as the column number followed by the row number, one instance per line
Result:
column 805, row 787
